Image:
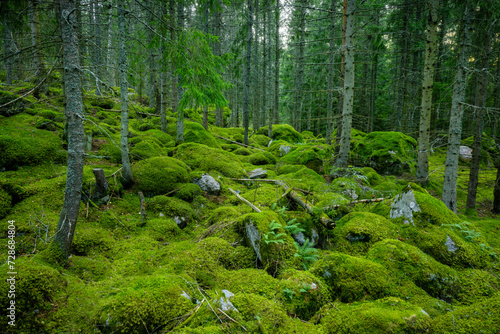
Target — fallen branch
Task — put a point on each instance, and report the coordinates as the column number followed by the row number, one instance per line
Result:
column 256, row 209
column 333, row 207
column 143, row 207
column 323, row 218
column 235, row 142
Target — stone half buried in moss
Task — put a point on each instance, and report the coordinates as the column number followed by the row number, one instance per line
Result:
column 181, row 212
column 280, row 148
column 357, row 232
column 308, row 156
column 206, row 159
column 387, row 315
column 208, row 183
column 159, row 175
column 282, row 132
column 387, row 152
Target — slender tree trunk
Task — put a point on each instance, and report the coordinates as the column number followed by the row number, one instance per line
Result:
column 205, row 29
column 219, row 113
column 481, row 96
column 155, row 97
column 373, row 78
column 246, row 87
column 96, row 38
column 427, row 85
column 347, row 109
column 109, row 61
column 331, row 60
column 300, row 66
column 276, row 113
column 455, row 131
column 255, row 76
column 8, row 50
column 127, row 178
column 74, row 115
column 41, row 71
column 342, row 78
column 264, row 64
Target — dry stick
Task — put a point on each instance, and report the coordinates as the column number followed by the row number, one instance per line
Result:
column 323, row 218
column 256, row 209
column 190, row 316
column 258, row 180
column 232, row 319
column 143, row 207
column 354, row 202
column 235, row 142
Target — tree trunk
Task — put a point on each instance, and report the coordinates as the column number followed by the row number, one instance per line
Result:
column 96, row 38
column 264, row 65
column 127, row 179
column 300, row 67
column 246, row 87
column 74, row 116
column 256, row 87
column 331, row 60
column 481, row 96
column 8, row 50
column 455, row 131
column 109, row 61
column 219, row 112
column 427, row 85
column 155, row 98
column 342, row 78
column 347, row 109
column 41, row 71
column 276, row 113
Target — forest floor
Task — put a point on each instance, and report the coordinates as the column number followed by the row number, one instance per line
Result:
column 203, row 261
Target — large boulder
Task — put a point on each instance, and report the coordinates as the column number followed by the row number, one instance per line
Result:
column 282, row 132
column 159, row 175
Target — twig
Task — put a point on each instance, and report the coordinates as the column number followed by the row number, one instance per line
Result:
column 232, row 319
column 354, row 202
column 235, row 142
column 256, row 209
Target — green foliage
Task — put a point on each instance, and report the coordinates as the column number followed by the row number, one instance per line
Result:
column 5, row 203
column 306, row 253
column 272, row 236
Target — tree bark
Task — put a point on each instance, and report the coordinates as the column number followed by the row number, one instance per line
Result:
column 155, row 97
column 74, row 116
column 246, row 87
column 255, row 79
column 455, row 131
column 8, row 49
column 331, row 60
column 427, row 85
column 127, row 179
column 347, row 109
column 41, row 71
column 219, row 112
column 276, row 113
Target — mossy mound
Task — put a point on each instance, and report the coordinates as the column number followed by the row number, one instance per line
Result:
column 242, row 151
column 387, row 152
column 280, row 148
column 196, row 133
column 476, row 285
column 357, row 232
column 351, row 278
column 303, row 294
column 159, row 175
column 89, row 269
column 104, row 103
column 386, row 189
column 208, row 159
column 171, row 207
column 287, row 169
column 15, row 107
column 232, row 258
column 372, row 177
column 262, row 158
column 36, row 287
column 387, row 315
column 21, row 144
column 162, row 137
column 5, row 203
column 308, row 156
column 331, row 198
column 89, row 240
column 146, row 148
column 436, row 279
column 163, row 229
column 480, row 317
column 306, row 179
column 146, row 304
column 261, row 140
column 282, row 132
column 348, row 187
column 188, row 191
column 433, row 211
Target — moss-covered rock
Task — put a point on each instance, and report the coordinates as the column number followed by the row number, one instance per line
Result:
column 188, row 191
column 232, row 258
column 163, row 229
column 104, row 103
column 433, row 211
column 5, row 203
column 436, row 279
column 282, row 132
column 159, row 175
column 280, row 148
column 207, row 159
column 146, row 304
column 387, row 315
column 181, row 212
column 196, row 133
column 88, row 240
column 242, row 151
column 262, row 158
column 348, row 187
column 386, row 189
column 21, row 144
column 357, row 232
column 308, row 156
column 387, row 152
column 15, row 107
column 306, row 179
column 146, row 148
column 89, row 269
column 261, row 140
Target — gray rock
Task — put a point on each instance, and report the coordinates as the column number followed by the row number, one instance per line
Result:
column 284, row 150
column 258, row 173
column 450, row 244
column 208, row 184
column 465, row 153
column 225, row 304
column 180, row 221
column 404, row 205
column 254, row 237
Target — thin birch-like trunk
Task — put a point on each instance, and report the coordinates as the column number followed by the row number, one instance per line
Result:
column 246, row 87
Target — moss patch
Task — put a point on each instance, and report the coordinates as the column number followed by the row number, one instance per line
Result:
column 159, row 175
column 262, row 158
column 308, row 156
column 282, row 132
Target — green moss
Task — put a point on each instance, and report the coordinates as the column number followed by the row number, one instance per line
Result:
column 88, row 240
column 89, row 269
column 387, row 315
column 232, row 258
column 143, row 305
column 282, row 132
column 162, row 137
column 303, row 294
column 386, row 189
column 196, row 133
column 436, row 279
column 261, row 140
column 177, row 209
column 145, row 149
column 5, row 203
column 373, row 178
column 387, row 152
column 348, row 187
column 306, row 179
column 481, row 317
column 277, row 148
column 357, row 232
column 159, row 175
column 36, row 287
column 104, row 103
column 433, row 211
column 288, row 169
column 242, row 151
column 308, row 156
column 21, row 144
column 163, row 229
column 13, row 108
column 188, row 191
column 262, row 158
column 476, row 285
column 207, row 159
